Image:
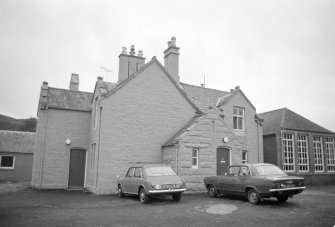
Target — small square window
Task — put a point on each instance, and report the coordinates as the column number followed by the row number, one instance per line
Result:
column 7, row 162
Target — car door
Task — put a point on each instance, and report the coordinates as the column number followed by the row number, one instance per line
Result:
column 243, row 178
column 227, row 182
column 126, row 183
column 136, row 180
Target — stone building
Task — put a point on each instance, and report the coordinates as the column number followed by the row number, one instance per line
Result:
column 16, row 155
column 299, row 146
column 88, row 139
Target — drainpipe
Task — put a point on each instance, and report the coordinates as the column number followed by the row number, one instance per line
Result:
column 258, row 151
column 98, row 158
column 177, row 158
column 44, row 144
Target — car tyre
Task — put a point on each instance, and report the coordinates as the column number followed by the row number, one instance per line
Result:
column 144, row 198
column 282, row 198
column 176, row 197
column 253, row 196
column 120, row 191
column 212, row 191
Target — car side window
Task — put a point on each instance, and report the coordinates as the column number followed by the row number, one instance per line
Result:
column 233, row 171
column 130, row 172
column 138, row 172
column 244, row 171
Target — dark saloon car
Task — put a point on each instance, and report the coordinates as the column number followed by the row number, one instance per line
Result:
column 255, row 181
column 148, row 180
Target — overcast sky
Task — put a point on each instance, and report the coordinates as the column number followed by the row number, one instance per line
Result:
column 281, row 53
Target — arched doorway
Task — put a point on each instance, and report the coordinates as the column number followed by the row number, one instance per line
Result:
column 77, row 168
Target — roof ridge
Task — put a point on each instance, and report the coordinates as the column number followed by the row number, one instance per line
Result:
column 272, row 110
column 63, row 89
column 204, row 87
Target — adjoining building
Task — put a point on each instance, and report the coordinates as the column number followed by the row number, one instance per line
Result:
column 299, row 146
column 88, row 139
column 16, row 156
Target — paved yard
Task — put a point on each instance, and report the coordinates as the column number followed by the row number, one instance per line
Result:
column 314, row 207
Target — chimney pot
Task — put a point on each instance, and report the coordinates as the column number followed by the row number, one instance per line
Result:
column 100, row 78
column 231, row 90
column 124, row 50
column 237, row 87
column 132, row 50
column 140, row 53
column 169, row 44
column 74, row 82
column 173, row 41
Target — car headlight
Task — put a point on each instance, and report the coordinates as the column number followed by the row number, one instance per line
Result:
column 157, row 186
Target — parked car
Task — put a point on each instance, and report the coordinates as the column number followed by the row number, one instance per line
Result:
column 255, row 181
column 148, row 180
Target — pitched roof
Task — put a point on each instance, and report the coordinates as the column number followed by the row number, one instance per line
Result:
column 287, row 119
column 173, row 140
column 153, row 60
column 18, row 142
column 69, row 99
column 203, row 97
column 226, row 98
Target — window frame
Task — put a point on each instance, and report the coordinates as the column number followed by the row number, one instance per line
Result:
column 244, row 159
column 288, row 156
column 318, row 154
column 196, row 158
column 238, row 117
column 302, row 152
column 330, row 153
column 7, row 167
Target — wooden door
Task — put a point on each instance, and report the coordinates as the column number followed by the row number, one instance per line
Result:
column 77, row 168
column 222, row 160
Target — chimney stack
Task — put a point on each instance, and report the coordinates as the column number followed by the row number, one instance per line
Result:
column 171, row 59
column 74, row 83
column 129, row 63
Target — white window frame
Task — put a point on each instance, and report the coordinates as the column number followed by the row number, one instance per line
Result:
column 330, row 154
column 238, row 117
column 6, row 167
column 245, row 160
column 303, row 159
column 318, row 154
column 195, row 157
column 288, row 152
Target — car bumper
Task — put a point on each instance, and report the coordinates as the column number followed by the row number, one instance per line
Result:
column 286, row 189
column 167, row 191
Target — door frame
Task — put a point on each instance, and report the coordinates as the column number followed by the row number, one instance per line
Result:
column 69, row 160
column 216, row 159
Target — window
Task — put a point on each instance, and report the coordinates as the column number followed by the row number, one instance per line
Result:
column 244, row 157
column 330, row 154
column 7, row 161
column 288, row 152
column 138, row 173
column 303, row 153
column 233, row 171
column 195, row 157
column 318, row 154
column 238, row 118
column 244, row 171
column 130, row 172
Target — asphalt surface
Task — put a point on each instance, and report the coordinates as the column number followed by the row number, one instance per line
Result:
column 314, row 207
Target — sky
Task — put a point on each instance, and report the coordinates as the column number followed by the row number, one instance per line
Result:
column 281, row 53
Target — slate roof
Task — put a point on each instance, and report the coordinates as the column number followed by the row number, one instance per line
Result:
column 17, row 142
column 68, row 99
column 203, row 97
column 286, row 119
column 172, row 141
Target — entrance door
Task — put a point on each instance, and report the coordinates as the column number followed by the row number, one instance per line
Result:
column 77, row 168
column 222, row 160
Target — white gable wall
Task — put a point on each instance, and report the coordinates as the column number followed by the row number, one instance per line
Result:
column 136, row 120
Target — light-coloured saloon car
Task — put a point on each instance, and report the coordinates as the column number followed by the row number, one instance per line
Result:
column 147, row 180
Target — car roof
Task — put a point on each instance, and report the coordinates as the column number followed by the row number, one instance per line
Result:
column 146, row 165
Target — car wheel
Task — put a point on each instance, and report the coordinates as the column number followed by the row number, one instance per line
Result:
column 120, row 192
column 253, row 196
column 212, row 191
column 282, row 198
column 176, row 197
column 144, row 198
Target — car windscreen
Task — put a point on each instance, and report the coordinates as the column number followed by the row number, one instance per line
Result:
column 268, row 170
column 159, row 171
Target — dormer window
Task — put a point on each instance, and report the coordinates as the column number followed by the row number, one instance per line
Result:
column 238, row 118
